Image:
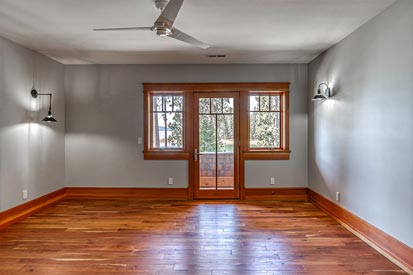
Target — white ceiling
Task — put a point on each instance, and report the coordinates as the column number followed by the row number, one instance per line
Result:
column 247, row 31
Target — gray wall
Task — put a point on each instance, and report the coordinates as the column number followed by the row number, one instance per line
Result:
column 360, row 141
column 31, row 152
column 105, row 118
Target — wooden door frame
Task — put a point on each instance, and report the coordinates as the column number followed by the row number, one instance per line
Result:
column 216, row 194
column 186, row 154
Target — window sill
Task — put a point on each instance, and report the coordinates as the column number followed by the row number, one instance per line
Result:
column 280, row 155
column 166, row 155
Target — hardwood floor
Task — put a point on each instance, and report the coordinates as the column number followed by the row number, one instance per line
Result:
column 197, row 238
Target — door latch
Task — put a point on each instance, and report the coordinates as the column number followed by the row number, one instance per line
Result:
column 195, row 154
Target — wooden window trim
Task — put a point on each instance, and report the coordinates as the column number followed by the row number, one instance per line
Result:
column 168, row 153
column 248, row 153
column 282, row 114
column 151, row 120
column 217, row 87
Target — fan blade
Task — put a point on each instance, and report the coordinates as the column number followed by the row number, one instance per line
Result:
column 169, row 13
column 125, row 29
column 177, row 34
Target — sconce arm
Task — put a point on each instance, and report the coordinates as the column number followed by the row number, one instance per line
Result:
column 35, row 94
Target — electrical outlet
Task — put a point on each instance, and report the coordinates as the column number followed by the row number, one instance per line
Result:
column 139, row 140
column 272, row 181
column 24, row 194
column 170, row 181
column 337, row 196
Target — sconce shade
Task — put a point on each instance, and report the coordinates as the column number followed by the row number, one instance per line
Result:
column 319, row 96
column 322, row 96
column 49, row 118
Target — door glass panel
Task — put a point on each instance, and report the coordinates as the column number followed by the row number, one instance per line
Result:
column 204, row 105
column 207, row 178
column 216, row 105
column 225, row 156
column 207, row 152
column 216, row 144
column 228, row 105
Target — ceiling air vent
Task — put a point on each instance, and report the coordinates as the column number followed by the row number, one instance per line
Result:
column 216, row 55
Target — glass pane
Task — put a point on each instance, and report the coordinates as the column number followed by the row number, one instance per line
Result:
column 207, row 171
column 204, row 106
column 157, row 103
column 216, row 105
column 225, row 133
column 275, row 103
column 159, row 130
column 277, row 130
column 265, row 103
column 178, row 103
column 225, row 180
column 207, row 134
column 175, row 130
column 254, row 103
column 265, row 130
column 207, row 157
column 168, row 103
column 228, row 105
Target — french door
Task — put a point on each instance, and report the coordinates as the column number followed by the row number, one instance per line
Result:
column 216, row 145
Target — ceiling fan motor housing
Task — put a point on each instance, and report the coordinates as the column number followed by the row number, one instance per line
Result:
column 163, row 32
column 162, row 29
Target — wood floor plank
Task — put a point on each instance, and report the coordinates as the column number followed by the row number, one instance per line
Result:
column 185, row 237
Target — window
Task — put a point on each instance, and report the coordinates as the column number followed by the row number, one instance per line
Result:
column 265, row 131
column 265, row 116
column 167, row 121
column 166, row 130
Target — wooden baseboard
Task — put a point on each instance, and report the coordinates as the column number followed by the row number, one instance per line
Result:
column 282, row 194
column 277, row 194
column 127, row 193
column 20, row 212
column 393, row 249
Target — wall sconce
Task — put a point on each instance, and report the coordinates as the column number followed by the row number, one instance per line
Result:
column 49, row 117
column 322, row 96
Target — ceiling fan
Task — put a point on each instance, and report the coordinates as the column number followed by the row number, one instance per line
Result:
column 163, row 26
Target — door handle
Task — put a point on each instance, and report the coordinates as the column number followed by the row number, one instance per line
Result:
column 195, row 154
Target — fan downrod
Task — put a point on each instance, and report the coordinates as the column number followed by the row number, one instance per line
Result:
column 161, row 4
